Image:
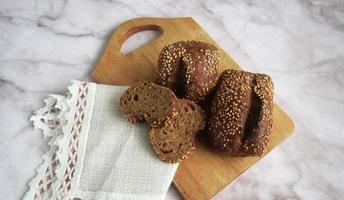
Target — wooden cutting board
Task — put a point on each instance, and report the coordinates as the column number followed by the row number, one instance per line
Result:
column 205, row 173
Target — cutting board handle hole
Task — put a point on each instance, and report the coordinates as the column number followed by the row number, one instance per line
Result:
column 139, row 36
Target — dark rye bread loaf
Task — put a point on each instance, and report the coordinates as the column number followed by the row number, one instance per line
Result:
column 176, row 140
column 149, row 102
column 189, row 68
column 241, row 113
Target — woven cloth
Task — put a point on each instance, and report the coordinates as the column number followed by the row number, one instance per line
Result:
column 94, row 152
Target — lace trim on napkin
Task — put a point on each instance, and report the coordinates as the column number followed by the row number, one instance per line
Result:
column 61, row 119
column 74, row 139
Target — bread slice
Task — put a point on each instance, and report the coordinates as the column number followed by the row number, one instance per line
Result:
column 176, row 140
column 241, row 113
column 148, row 102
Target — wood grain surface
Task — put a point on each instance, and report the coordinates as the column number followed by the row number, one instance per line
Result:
column 206, row 172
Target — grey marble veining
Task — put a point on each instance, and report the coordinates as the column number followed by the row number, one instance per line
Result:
column 45, row 44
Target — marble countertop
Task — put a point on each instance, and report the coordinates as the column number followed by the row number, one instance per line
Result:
column 45, row 44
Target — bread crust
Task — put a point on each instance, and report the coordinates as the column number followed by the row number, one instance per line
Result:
column 255, row 143
column 241, row 113
column 189, row 68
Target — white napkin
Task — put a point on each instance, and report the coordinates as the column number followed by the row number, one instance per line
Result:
column 94, row 152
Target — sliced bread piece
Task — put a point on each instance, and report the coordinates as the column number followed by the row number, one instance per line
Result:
column 148, row 102
column 176, row 140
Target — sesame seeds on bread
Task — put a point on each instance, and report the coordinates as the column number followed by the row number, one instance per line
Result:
column 176, row 140
column 257, row 140
column 189, row 68
column 241, row 113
